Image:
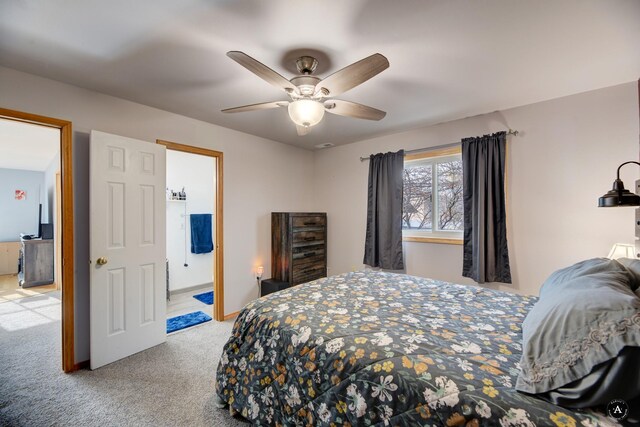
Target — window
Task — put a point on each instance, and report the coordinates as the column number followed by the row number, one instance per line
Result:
column 432, row 202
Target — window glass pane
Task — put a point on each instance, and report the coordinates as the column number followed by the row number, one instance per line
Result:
column 417, row 198
column 450, row 207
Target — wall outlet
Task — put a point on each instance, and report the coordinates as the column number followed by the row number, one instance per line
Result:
column 354, row 268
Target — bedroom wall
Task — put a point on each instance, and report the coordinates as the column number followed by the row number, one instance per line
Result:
column 564, row 158
column 260, row 176
column 49, row 205
column 19, row 216
column 196, row 174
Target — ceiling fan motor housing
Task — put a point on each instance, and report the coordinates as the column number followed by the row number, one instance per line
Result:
column 306, row 84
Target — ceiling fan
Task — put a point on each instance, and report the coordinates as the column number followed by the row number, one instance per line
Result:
column 308, row 94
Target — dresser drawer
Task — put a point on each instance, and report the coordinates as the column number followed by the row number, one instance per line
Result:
column 307, row 252
column 309, row 267
column 301, row 275
column 302, row 263
column 302, row 237
column 300, row 221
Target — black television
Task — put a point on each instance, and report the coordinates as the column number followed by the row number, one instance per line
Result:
column 45, row 229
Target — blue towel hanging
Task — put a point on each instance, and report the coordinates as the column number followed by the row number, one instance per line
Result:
column 201, row 241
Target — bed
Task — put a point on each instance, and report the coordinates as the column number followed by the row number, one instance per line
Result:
column 375, row 348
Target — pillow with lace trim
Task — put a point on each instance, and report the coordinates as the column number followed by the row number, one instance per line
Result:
column 586, row 315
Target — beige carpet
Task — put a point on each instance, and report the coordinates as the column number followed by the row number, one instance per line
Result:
column 169, row 385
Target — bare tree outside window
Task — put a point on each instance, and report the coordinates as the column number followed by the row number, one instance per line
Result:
column 450, row 207
column 418, row 197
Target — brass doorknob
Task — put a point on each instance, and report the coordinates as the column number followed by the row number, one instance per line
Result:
column 102, row 261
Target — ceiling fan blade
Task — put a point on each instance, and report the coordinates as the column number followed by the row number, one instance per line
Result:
column 262, row 71
column 302, row 130
column 253, row 107
column 353, row 75
column 352, row 109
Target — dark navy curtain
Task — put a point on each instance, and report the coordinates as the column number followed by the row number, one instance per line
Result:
column 383, row 244
column 486, row 257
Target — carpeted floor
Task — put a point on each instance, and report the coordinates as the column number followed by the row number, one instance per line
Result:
column 169, row 385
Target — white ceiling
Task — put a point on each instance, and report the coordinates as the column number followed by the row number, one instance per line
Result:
column 27, row 146
column 449, row 59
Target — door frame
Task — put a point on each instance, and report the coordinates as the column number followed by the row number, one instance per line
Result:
column 218, row 255
column 66, row 168
column 58, row 231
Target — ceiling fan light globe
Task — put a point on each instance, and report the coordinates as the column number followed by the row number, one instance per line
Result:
column 306, row 112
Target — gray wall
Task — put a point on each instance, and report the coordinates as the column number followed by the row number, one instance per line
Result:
column 19, row 216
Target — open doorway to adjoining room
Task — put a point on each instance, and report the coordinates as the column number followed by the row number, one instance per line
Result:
column 194, row 232
column 36, row 227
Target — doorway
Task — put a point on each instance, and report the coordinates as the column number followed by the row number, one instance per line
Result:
column 188, row 262
column 34, row 246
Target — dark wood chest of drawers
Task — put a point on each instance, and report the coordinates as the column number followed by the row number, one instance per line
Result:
column 298, row 246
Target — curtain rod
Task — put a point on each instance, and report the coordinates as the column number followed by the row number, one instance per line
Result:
column 437, row 147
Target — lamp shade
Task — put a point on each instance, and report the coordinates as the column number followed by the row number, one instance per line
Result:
column 306, row 112
column 618, row 196
column 622, row 250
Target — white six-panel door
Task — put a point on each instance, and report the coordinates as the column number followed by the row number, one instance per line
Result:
column 128, row 250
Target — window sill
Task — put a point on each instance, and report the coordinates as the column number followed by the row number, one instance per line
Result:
column 440, row 240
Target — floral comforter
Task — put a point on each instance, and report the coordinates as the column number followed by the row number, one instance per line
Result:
column 369, row 348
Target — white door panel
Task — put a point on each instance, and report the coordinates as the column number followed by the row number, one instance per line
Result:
column 127, row 215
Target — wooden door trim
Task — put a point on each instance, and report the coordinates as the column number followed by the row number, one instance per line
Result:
column 66, row 133
column 218, row 280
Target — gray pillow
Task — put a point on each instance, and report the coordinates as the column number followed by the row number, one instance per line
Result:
column 633, row 266
column 586, row 315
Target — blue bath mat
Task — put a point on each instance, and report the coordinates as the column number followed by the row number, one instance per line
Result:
column 206, row 297
column 186, row 320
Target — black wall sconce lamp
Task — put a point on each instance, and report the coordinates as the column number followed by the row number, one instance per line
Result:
column 619, row 196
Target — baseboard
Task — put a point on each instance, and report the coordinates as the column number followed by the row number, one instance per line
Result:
column 231, row 315
column 192, row 288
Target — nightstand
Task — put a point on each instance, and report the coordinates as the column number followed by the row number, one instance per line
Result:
column 269, row 286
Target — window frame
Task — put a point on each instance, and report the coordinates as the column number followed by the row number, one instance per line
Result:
column 433, row 235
